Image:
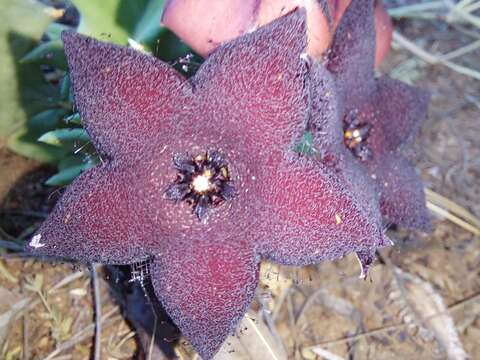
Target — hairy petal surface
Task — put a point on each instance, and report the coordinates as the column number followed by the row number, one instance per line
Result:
column 102, row 217
column 402, row 199
column 319, row 22
column 125, row 98
column 383, row 26
column 393, row 111
column 206, row 289
column 311, row 216
column 352, row 54
column 263, row 98
column 396, row 112
column 312, row 211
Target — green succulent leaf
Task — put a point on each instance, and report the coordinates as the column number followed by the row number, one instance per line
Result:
column 62, row 137
column 25, row 140
column 25, row 143
column 65, row 87
column 54, row 31
column 46, row 120
column 69, row 168
column 73, row 119
column 147, row 27
column 48, row 53
column 24, row 92
column 118, row 20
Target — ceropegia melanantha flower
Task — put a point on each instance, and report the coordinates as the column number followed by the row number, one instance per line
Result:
column 381, row 117
column 211, row 23
column 201, row 176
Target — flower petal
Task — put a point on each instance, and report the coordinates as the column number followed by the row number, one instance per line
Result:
column 256, row 83
column 326, row 107
column 102, row 217
column 125, row 97
column 402, row 199
column 205, row 288
column 352, row 55
column 317, row 210
column 366, row 258
column 396, row 112
column 311, row 215
column 326, row 123
column 383, row 27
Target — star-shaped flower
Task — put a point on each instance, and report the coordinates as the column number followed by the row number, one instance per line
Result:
column 381, row 117
column 201, row 176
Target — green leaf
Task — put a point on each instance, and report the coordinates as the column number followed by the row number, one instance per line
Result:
column 54, row 31
column 305, row 145
column 65, row 87
column 24, row 92
column 169, row 47
column 147, row 27
column 47, row 53
column 25, row 141
column 74, row 119
column 109, row 20
column 118, row 20
column 70, row 168
column 46, row 120
column 64, row 136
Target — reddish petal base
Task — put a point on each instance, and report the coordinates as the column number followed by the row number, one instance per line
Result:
column 205, row 289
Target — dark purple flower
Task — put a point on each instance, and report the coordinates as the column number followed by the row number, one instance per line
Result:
column 201, row 175
column 381, row 117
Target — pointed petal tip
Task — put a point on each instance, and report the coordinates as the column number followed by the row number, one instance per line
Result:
column 366, row 258
column 352, row 53
column 70, row 38
column 216, row 286
column 385, row 241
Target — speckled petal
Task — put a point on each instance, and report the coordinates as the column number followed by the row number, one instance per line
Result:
column 352, row 54
column 103, row 217
column 383, row 26
column 318, row 210
column 206, row 289
column 402, row 199
column 125, row 98
column 257, row 83
column 311, row 215
column 396, row 112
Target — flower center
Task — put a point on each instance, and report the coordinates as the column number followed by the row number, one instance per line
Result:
column 203, row 181
column 355, row 135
